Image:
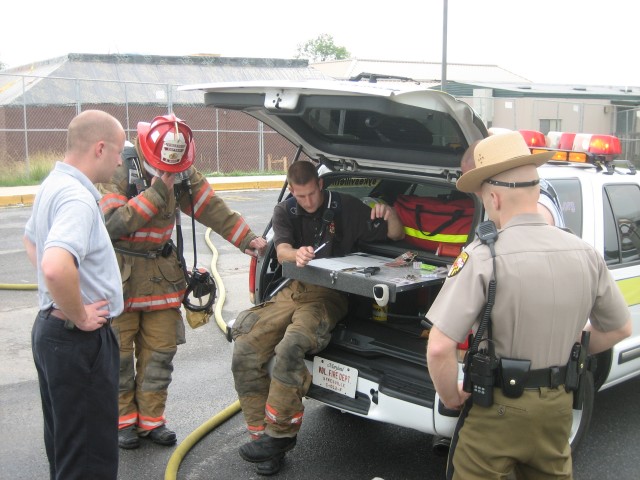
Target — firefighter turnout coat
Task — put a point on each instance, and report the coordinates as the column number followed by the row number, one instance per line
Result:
column 144, row 223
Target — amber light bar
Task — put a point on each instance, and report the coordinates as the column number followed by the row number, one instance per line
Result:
column 563, row 155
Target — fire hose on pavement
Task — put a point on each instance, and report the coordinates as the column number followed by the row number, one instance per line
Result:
column 203, row 430
column 18, row 286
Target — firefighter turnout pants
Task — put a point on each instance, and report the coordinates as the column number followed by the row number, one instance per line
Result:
column 299, row 320
column 148, row 342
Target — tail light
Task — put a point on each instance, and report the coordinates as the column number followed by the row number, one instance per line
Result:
column 462, row 348
column 597, row 144
column 553, row 139
column 464, row 345
column 560, row 140
column 566, row 141
column 253, row 267
column 605, row 145
column 534, row 138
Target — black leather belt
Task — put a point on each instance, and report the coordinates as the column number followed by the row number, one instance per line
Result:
column 54, row 312
column 551, row 377
column 68, row 324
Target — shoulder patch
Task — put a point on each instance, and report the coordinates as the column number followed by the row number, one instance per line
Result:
column 458, row 264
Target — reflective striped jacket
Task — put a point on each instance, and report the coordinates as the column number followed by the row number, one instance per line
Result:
column 145, row 223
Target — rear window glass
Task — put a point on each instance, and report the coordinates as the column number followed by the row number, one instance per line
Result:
column 424, row 129
column 622, row 224
column 570, row 196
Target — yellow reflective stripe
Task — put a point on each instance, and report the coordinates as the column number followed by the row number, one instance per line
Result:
column 412, row 232
column 630, row 288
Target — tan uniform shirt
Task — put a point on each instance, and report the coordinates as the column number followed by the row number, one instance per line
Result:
column 549, row 282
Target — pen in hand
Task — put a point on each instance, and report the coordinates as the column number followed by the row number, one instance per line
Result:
column 320, row 247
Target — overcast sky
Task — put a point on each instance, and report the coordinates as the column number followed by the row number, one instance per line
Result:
column 547, row 41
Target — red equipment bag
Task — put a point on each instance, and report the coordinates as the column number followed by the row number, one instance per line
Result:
column 436, row 224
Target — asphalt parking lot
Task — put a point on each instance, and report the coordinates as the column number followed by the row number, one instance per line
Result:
column 331, row 444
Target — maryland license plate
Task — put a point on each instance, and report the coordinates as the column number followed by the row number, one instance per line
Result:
column 335, row 376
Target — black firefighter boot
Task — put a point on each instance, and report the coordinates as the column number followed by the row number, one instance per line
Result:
column 128, row 438
column 162, row 436
column 270, row 467
column 266, row 448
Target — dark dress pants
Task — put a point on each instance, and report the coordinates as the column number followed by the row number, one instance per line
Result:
column 78, row 377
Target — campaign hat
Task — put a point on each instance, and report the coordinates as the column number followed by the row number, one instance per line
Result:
column 497, row 154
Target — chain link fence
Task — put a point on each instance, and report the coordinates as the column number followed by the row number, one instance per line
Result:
column 35, row 113
column 34, row 124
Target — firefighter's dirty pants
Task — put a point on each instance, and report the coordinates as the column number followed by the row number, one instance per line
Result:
column 297, row 321
column 152, row 337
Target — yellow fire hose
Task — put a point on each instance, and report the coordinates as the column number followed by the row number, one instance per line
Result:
column 18, row 286
column 194, row 437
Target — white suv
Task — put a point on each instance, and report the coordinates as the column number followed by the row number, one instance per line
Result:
column 383, row 141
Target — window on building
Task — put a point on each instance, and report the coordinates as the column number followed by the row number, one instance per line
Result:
column 550, row 125
column 626, row 119
column 621, row 224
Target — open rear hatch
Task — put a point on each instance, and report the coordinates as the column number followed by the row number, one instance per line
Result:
column 391, row 126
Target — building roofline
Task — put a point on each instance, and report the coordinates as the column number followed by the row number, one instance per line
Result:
column 195, row 59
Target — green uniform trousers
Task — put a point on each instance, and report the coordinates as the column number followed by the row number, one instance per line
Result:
column 528, row 436
column 298, row 321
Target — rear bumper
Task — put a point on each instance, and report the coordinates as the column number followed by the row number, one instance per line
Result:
column 395, row 399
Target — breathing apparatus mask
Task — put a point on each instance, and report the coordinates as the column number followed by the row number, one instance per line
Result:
column 201, row 288
column 199, row 297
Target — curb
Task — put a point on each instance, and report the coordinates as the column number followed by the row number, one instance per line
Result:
column 245, row 185
column 17, row 200
column 24, row 196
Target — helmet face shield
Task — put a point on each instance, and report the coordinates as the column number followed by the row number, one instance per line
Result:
column 167, row 144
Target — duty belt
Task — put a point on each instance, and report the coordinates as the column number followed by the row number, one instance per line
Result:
column 164, row 251
column 551, row 377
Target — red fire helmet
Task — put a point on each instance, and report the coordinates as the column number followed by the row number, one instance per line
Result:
column 167, row 143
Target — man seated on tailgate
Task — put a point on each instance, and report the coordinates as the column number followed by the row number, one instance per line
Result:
column 301, row 316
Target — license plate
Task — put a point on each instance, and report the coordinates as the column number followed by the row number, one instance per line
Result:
column 335, row 376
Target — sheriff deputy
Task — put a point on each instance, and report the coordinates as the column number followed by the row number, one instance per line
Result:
column 548, row 283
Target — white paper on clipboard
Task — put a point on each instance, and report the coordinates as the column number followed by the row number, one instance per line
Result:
column 348, row 262
column 332, row 264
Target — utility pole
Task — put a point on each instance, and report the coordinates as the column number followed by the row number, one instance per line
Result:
column 443, row 80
